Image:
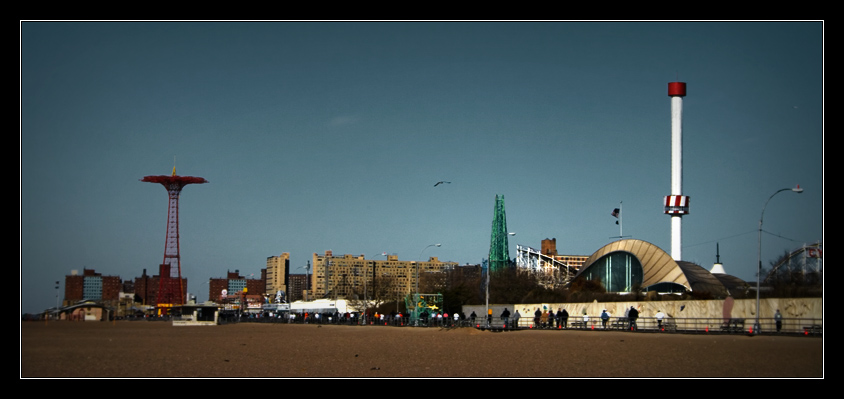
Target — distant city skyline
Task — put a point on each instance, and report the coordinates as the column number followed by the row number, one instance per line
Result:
column 320, row 136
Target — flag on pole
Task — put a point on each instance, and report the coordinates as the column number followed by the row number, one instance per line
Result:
column 616, row 212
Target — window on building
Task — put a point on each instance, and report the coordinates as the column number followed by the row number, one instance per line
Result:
column 617, row 271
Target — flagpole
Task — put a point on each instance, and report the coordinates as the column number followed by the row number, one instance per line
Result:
column 620, row 219
column 618, row 214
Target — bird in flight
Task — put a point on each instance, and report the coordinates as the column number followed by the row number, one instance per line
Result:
column 441, row 182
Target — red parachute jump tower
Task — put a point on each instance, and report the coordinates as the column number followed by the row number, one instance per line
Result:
column 171, row 292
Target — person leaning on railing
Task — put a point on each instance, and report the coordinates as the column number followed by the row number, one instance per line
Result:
column 632, row 315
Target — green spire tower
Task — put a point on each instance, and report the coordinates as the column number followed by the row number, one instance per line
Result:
column 499, row 249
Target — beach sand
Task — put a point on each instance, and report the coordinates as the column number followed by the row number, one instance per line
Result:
column 158, row 349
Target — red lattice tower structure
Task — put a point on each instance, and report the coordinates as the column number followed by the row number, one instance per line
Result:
column 170, row 289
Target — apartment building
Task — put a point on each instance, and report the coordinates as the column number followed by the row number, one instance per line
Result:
column 222, row 289
column 91, row 285
column 278, row 274
column 348, row 276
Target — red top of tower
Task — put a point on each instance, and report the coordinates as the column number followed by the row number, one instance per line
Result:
column 183, row 180
column 677, row 89
column 173, row 178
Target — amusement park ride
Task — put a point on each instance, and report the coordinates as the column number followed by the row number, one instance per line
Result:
column 171, row 291
column 548, row 271
column 422, row 306
column 804, row 265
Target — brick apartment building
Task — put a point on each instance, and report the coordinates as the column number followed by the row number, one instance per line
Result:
column 91, row 285
column 234, row 284
column 146, row 288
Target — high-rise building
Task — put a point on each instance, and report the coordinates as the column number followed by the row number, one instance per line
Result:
column 549, row 247
column 348, row 276
column 298, row 284
column 278, row 272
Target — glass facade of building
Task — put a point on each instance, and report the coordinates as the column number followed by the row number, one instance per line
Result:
column 92, row 287
column 617, row 271
column 236, row 286
column 665, row 287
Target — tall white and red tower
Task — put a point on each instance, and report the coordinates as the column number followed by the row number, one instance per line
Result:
column 171, row 290
column 676, row 204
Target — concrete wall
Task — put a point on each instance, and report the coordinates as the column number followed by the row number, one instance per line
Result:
column 792, row 309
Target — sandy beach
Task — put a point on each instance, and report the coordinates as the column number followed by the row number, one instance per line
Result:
column 158, row 349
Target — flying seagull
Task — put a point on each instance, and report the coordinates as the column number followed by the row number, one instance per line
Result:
column 441, row 182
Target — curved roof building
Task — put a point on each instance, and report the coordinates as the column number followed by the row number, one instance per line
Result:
column 624, row 265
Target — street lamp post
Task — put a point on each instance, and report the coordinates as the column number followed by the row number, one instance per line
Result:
column 364, row 283
column 56, row 314
column 199, row 290
column 798, row 190
column 415, row 315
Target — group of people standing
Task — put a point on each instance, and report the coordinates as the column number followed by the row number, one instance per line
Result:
column 441, row 318
column 548, row 319
column 631, row 315
column 542, row 318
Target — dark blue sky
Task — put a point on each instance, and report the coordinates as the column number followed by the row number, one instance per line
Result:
column 326, row 135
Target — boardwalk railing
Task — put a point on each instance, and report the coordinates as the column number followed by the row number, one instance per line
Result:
column 672, row 324
column 807, row 326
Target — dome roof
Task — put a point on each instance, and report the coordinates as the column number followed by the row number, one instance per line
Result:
column 659, row 267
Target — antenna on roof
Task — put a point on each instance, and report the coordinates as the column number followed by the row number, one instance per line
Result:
column 717, row 268
column 717, row 253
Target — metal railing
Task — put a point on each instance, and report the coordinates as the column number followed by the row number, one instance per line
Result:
column 805, row 326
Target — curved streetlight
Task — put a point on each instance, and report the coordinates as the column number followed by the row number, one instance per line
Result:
column 798, row 190
column 308, row 286
column 415, row 314
column 199, row 290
